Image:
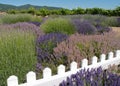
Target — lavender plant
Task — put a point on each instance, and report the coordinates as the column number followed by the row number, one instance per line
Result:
column 17, row 50
column 58, row 25
column 78, row 46
column 93, row 77
column 44, row 50
column 46, row 43
column 84, row 27
column 90, row 27
column 25, row 26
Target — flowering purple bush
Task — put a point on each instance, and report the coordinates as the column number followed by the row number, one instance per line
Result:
column 89, row 27
column 44, row 49
column 93, row 77
column 84, row 27
column 101, row 29
column 46, row 43
column 78, row 47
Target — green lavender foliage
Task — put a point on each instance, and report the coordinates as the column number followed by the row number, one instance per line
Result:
column 58, row 25
column 17, row 53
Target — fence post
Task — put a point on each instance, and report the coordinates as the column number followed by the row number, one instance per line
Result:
column 61, row 70
column 12, row 81
column 102, row 57
column 73, row 66
column 84, row 63
column 110, row 55
column 31, row 77
column 117, row 54
column 47, row 73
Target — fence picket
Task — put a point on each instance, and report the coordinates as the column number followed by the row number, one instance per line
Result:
column 84, row 63
column 12, row 81
column 102, row 57
column 73, row 66
column 47, row 73
column 61, row 69
column 110, row 55
column 31, row 76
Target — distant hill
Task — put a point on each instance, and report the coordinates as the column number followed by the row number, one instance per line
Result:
column 5, row 7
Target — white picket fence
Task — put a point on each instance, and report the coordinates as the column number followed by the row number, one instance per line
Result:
column 49, row 80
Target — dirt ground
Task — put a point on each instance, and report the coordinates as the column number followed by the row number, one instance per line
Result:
column 116, row 29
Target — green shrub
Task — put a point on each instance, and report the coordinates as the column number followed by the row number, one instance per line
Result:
column 14, row 18
column 58, row 25
column 17, row 54
column 111, row 21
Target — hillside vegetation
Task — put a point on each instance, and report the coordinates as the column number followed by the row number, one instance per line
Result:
column 6, row 7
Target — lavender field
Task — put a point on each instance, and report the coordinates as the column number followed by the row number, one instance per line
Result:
column 30, row 43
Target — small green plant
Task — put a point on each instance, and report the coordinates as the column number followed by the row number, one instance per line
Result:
column 58, row 25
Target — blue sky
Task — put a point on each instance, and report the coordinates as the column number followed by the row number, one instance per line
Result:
column 107, row 4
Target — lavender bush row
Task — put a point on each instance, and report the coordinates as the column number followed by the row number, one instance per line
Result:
column 78, row 46
column 93, row 77
column 89, row 27
column 15, row 18
column 24, row 26
column 104, row 20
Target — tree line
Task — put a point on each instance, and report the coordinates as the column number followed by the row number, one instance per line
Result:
column 63, row 11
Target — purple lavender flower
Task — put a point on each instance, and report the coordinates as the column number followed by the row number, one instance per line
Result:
column 107, row 78
column 84, row 27
column 46, row 43
column 90, row 27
